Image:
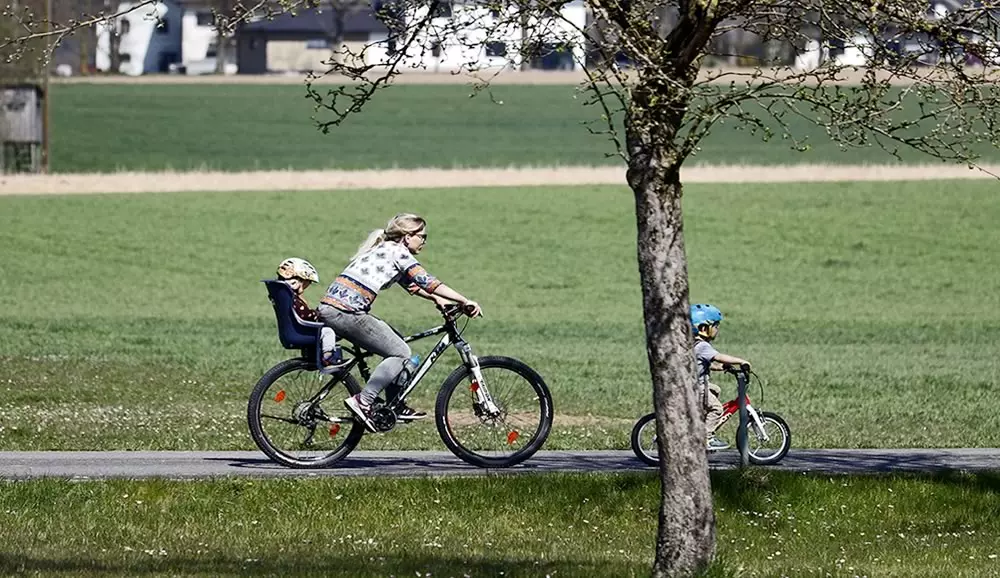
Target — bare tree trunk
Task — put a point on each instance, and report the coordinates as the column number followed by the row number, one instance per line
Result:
column 220, row 50
column 335, row 38
column 686, row 536
column 685, row 541
column 114, row 48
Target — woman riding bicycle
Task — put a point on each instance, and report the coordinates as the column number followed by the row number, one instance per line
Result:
column 386, row 257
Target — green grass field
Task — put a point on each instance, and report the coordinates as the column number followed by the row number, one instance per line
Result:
column 769, row 524
column 871, row 310
column 100, row 128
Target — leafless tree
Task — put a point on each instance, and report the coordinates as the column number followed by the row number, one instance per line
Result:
column 927, row 83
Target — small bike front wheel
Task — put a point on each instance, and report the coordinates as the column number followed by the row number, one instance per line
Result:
column 292, row 426
column 764, row 452
column 644, row 440
column 498, row 438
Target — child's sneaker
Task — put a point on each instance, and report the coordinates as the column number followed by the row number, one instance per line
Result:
column 715, row 444
column 361, row 410
column 332, row 361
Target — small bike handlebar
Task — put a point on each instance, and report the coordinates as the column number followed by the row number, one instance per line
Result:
column 730, row 368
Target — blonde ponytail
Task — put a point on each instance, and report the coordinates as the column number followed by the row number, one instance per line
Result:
column 398, row 227
column 374, row 238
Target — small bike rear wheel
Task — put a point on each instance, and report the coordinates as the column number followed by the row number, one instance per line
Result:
column 295, row 431
column 644, row 441
column 503, row 440
column 779, row 439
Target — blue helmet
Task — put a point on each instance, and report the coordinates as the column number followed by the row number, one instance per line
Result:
column 702, row 313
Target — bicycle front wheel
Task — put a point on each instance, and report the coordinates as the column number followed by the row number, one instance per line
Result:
column 291, row 427
column 764, row 452
column 501, row 438
column 644, row 441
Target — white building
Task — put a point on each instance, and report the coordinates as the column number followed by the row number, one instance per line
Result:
column 150, row 39
column 469, row 35
column 198, row 36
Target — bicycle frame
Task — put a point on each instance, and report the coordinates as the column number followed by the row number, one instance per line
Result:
column 451, row 337
column 733, row 406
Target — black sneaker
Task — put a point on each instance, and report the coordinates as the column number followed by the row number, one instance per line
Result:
column 407, row 413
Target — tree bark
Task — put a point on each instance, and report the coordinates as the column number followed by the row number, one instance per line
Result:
column 685, row 542
column 686, row 535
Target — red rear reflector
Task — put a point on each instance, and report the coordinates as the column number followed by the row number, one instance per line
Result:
column 474, row 387
column 512, row 437
column 334, row 429
column 280, row 396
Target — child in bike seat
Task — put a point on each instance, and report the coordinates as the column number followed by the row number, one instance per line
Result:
column 705, row 320
column 299, row 274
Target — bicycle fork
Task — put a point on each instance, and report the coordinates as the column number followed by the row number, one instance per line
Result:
column 757, row 424
column 483, row 400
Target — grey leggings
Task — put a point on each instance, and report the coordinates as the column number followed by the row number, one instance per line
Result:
column 373, row 334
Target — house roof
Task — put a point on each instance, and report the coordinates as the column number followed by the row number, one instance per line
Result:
column 316, row 22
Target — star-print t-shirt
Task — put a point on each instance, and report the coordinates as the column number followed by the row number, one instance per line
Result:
column 356, row 288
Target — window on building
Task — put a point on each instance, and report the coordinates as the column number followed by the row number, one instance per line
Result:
column 496, row 49
column 205, row 19
column 318, row 43
column 125, row 58
column 441, row 8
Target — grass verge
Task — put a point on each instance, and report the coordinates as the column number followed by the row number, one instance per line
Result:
column 769, row 524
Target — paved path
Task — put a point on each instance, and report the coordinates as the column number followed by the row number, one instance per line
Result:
column 190, row 465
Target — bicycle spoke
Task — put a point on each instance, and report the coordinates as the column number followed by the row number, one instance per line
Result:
column 516, row 424
column 296, row 426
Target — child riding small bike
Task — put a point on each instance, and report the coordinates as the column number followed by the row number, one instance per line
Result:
column 705, row 321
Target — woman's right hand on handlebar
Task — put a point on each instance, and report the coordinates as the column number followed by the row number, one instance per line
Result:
column 472, row 309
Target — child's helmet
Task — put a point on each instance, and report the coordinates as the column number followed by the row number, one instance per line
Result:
column 704, row 314
column 294, row 267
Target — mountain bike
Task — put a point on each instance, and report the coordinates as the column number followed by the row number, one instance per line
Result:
column 768, row 435
column 491, row 411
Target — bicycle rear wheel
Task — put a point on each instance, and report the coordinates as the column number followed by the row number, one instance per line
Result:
column 295, row 431
column 504, row 439
column 644, row 441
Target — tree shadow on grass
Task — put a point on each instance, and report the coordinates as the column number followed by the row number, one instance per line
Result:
column 361, row 566
column 754, row 488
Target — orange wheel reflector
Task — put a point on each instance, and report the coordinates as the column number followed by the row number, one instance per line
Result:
column 334, row 429
column 280, row 396
column 474, row 387
column 512, row 437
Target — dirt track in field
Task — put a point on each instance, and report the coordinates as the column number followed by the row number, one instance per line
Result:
column 723, row 75
column 127, row 182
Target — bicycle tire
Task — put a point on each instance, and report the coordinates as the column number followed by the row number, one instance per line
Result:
column 264, row 442
column 470, row 455
column 786, row 440
column 637, row 447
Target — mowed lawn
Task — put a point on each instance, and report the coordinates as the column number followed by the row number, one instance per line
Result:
column 768, row 524
column 871, row 310
column 102, row 128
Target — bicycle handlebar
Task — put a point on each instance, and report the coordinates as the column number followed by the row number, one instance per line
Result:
column 729, row 368
column 452, row 312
